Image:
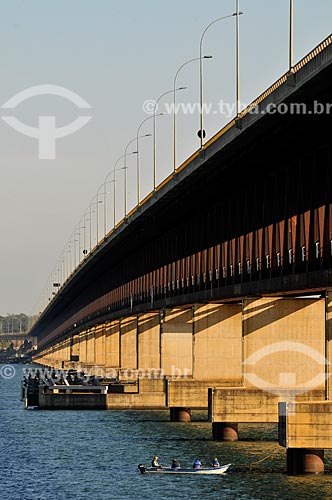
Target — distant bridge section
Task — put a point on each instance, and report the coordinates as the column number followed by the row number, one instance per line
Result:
column 17, row 339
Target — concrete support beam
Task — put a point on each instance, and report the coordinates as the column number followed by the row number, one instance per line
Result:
column 128, row 343
column 149, row 341
column 248, row 405
column 83, row 347
column 177, row 342
column 148, row 394
column 305, row 430
column 218, row 343
column 112, row 344
column 100, row 353
column 90, row 347
column 328, row 344
column 305, row 425
column 189, row 393
column 75, row 348
column 284, row 344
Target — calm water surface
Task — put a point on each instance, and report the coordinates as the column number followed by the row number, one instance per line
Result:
column 93, row 455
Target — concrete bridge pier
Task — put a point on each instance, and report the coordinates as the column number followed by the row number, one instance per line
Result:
column 225, row 431
column 305, row 431
column 180, row 414
column 305, row 461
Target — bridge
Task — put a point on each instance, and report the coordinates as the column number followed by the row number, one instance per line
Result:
column 15, row 338
column 215, row 292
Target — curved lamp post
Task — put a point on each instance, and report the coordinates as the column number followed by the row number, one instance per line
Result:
column 291, row 33
column 103, row 185
column 125, row 165
column 155, row 133
column 201, row 132
column 174, row 104
column 106, row 181
column 238, row 13
column 80, row 238
column 138, row 158
column 90, row 215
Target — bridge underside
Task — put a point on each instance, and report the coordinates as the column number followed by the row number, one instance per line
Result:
column 250, row 214
column 198, row 290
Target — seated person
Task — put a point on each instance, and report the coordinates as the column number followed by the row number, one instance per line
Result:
column 175, row 464
column 197, row 464
column 215, row 463
column 155, row 462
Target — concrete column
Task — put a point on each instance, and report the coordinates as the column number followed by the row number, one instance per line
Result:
column 305, row 461
column 218, row 343
column 328, row 345
column 74, row 354
column 128, row 343
column 225, row 431
column 90, row 347
column 176, row 349
column 149, row 341
column 180, row 414
column 83, row 347
column 112, row 345
column 100, row 346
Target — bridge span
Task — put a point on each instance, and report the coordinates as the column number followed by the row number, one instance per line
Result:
column 215, row 293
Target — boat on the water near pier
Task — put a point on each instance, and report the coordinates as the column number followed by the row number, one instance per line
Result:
column 182, row 470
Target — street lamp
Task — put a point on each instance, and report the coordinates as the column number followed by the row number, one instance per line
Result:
column 138, row 158
column 85, row 219
column 155, row 133
column 291, row 34
column 238, row 13
column 90, row 215
column 201, row 132
column 125, row 165
column 73, row 241
column 114, row 189
column 103, row 185
column 174, row 104
column 80, row 236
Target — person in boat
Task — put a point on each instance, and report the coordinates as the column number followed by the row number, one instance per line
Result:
column 155, row 462
column 197, row 464
column 215, row 463
column 175, row 464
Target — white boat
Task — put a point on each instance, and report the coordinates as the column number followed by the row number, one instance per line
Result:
column 181, row 470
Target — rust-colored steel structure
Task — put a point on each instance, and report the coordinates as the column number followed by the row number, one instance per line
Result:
column 251, row 213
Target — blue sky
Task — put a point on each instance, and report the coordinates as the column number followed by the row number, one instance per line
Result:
column 116, row 55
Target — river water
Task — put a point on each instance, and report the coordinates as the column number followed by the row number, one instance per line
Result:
column 93, row 455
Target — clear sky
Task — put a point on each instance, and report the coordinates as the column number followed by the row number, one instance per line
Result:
column 116, row 55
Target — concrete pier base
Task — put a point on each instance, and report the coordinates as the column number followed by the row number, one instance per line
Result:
column 305, row 461
column 225, row 431
column 180, row 414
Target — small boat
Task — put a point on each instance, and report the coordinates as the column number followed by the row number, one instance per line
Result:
column 182, row 470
